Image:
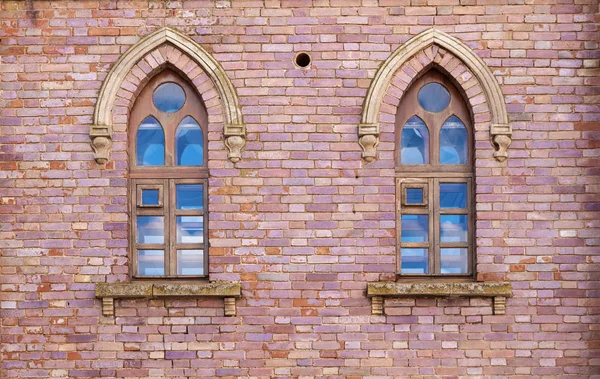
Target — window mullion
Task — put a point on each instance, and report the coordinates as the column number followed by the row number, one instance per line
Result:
column 171, row 268
column 471, row 225
column 133, row 225
column 434, row 205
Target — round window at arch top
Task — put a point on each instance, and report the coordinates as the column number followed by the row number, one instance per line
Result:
column 433, row 97
column 169, row 97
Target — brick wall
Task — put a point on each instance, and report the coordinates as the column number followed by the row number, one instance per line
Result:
column 301, row 220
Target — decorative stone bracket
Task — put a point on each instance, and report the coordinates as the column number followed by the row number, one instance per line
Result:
column 235, row 139
column 110, row 291
column 501, row 139
column 368, row 139
column 101, row 142
column 100, row 133
column 368, row 130
column 499, row 291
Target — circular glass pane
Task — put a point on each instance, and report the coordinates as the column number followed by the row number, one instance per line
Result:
column 169, row 97
column 434, row 97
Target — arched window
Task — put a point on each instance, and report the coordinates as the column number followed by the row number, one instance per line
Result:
column 434, row 173
column 167, row 137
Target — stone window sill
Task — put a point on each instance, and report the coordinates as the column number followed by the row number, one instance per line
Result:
column 110, row 291
column 499, row 291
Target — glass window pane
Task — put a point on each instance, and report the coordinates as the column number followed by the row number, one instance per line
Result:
column 414, row 261
column 189, row 196
column 190, row 229
column 149, row 197
column 151, row 262
column 190, row 262
column 433, row 97
column 415, row 142
column 453, row 195
column 189, row 149
column 453, row 142
column 415, row 228
column 453, row 228
column 454, row 261
column 414, row 196
column 169, row 97
column 150, row 229
column 150, row 143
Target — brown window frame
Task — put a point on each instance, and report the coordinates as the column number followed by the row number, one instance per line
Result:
column 164, row 178
column 429, row 176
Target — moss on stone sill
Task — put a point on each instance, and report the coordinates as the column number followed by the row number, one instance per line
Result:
column 464, row 289
column 147, row 290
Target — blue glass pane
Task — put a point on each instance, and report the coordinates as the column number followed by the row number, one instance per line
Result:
column 415, row 228
column 189, row 147
column 151, row 262
column 189, row 196
column 169, row 97
column 151, row 229
column 190, row 262
column 453, row 142
column 149, row 197
column 414, row 261
column 453, row 228
column 453, row 195
column 433, row 97
column 150, row 143
column 190, row 229
column 454, row 261
column 415, row 142
column 414, row 196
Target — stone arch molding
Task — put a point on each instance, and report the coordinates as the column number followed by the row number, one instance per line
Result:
column 101, row 130
column 417, row 49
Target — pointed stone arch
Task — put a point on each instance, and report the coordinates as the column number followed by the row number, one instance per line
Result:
column 195, row 56
column 431, row 47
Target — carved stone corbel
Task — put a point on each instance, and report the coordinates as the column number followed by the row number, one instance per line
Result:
column 108, row 306
column 501, row 134
column 101, row 142
column 499, row 305
column 229, row 306
column 377, row 305
column 368, row 139
column 235, row 139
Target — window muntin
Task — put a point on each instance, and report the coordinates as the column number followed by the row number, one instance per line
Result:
column 168, row 180
column 434, row 164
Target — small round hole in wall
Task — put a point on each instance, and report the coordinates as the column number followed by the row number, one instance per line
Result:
column 302, row 60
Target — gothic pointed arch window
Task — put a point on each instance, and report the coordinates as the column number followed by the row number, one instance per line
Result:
column 169, row 178
column 434, row 171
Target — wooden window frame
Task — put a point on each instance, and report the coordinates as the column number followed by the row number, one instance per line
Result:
column 429, row 176
column 166, row 177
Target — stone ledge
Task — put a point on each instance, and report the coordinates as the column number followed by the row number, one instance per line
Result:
column 110, row 291
column 499, row 291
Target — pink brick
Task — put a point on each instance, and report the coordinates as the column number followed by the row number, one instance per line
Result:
column 301, row 221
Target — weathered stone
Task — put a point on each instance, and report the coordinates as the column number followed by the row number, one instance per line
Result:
column 216, row 289
column 117, row 290
column 467, row 289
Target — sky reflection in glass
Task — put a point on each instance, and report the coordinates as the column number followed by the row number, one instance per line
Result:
column 415, row 142
column 150, row 143
column 453, row 142
column 189, row 145
column 454, row 261
column 433, row 97
column 169, row 97
column 453, row 195
column 414, row 261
